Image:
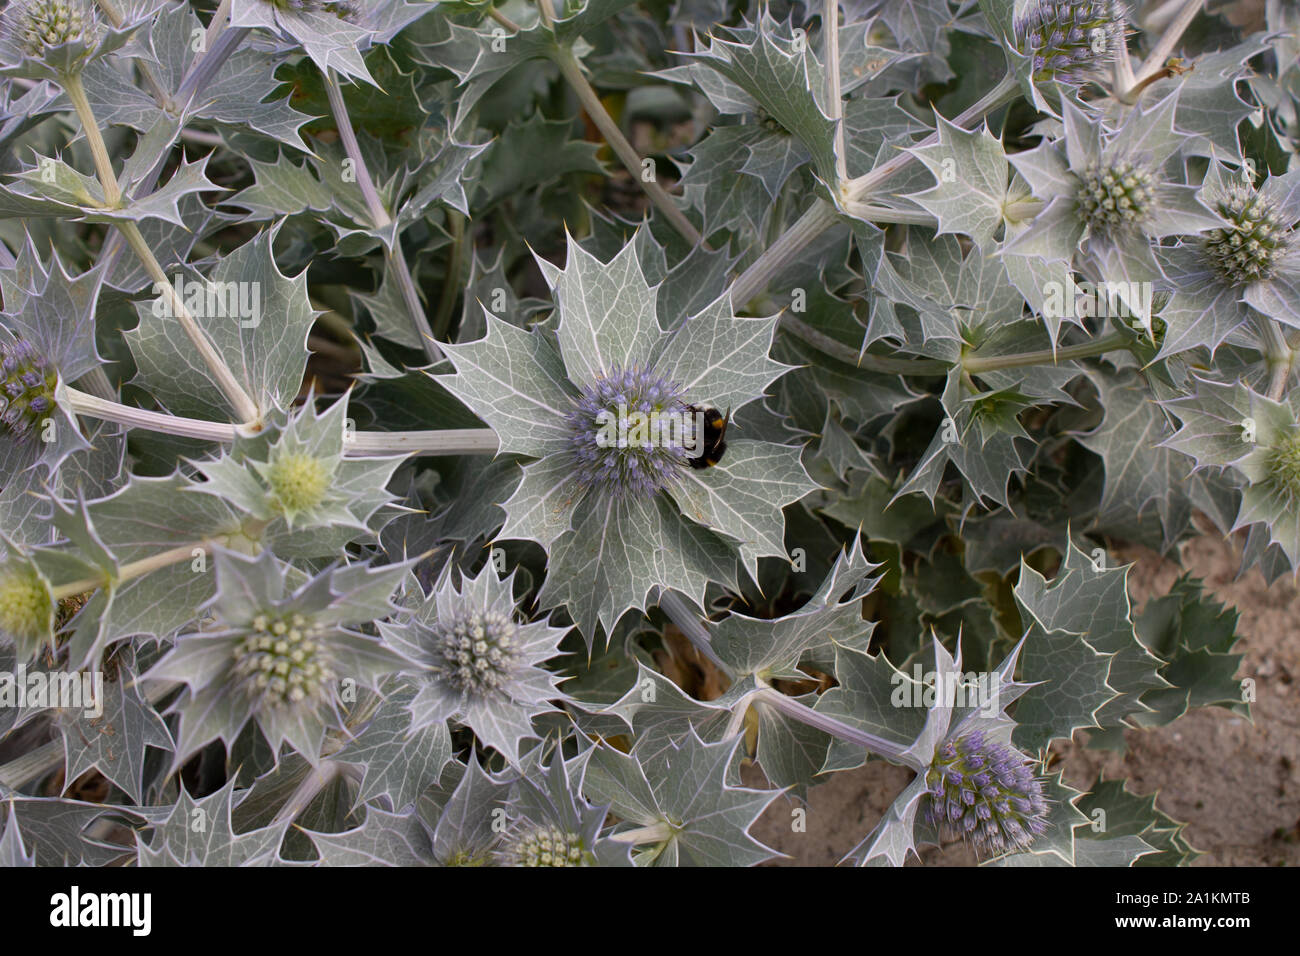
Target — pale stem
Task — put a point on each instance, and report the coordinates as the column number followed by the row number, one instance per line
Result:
column 864, row 360
column 380, row 218
column 654, row 833
column 134, row 569
column 1277, row 353
column 829, row 725
column 320, row 777
column 447, row 441
column 821, row 215
column 243, row 406
column 834, row 102
column 976, row 364
column 572, row 72
column 738, row 713
column 76, row 91
column 1155, row 61
column 219, row 45
column 689, row 624
column 504, row 20
column 910, row 217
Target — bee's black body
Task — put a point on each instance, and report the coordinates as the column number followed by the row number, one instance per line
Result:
column 715, row 430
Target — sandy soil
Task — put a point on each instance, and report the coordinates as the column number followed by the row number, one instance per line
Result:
column 1235, row 783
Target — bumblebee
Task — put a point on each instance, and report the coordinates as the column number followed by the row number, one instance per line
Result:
column 715, row 430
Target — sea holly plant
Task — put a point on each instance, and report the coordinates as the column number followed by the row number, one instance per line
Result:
column 520, row 434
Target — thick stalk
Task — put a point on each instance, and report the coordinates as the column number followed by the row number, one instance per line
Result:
column 974, row 363
column 829, row 725
column 380, row 218
column 150, row 77
column 689, row 624
column 319, row 777
column 571, row 70
column 821, row 215
column 134, row 569
column 834, row 102
column 76, row 91
column 447, row 441
column 1155, row 61
column 654, row 833
column 244, row 407
column 864, row 360
column 1277, row 353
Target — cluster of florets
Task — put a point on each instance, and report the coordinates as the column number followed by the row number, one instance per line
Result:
column 299, row 481
column 1072, row 40
column 545, row 846
column 1117, row 195
column 1284, row 465
column 627, row 432
column 479, row 650
column 282, row 662
column 984, row 792
column 27, row 385
column 26, row 606
column 42, row 25
column 1249, row 247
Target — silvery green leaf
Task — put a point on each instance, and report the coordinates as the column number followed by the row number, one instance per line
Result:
column 13, row 853
column 971, row 188
column 515, row 381
column 607, row 311
column 1062, row 844
column 331, row 41
column 396, row 760
column 200, row 831
column 266, row 349
column 113, row 740
column 531, row 153
column 1072, row 674
column 466, row 833
column 1091, row 599
column 1130, row 815
column 893, row 837
column 59, row 831
column 1194, row 635
column 384, row 839
column 714, row 183
column 686, row 781
column 600, row 574
column 868, row 697
column 1141, row 472
column 785, row 79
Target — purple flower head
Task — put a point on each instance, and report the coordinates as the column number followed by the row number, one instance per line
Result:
column 1000, row 809
column 627, row 432
column 27, row 383
column 1071, row 41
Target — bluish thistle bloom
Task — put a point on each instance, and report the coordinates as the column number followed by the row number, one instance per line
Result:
column 1071, row 41
column 984, row 792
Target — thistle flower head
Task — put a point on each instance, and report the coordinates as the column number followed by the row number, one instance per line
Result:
column 637, row 409
column 26, row 605
column 299, row 481
column 27, row 384
column 283, row 661
column 1115, row 195
column 42, row 25
column 1071, row 41
column 984, row 792
column 545, row 846
column 1283, row 465
column 1249, row 247
column 479, row 651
